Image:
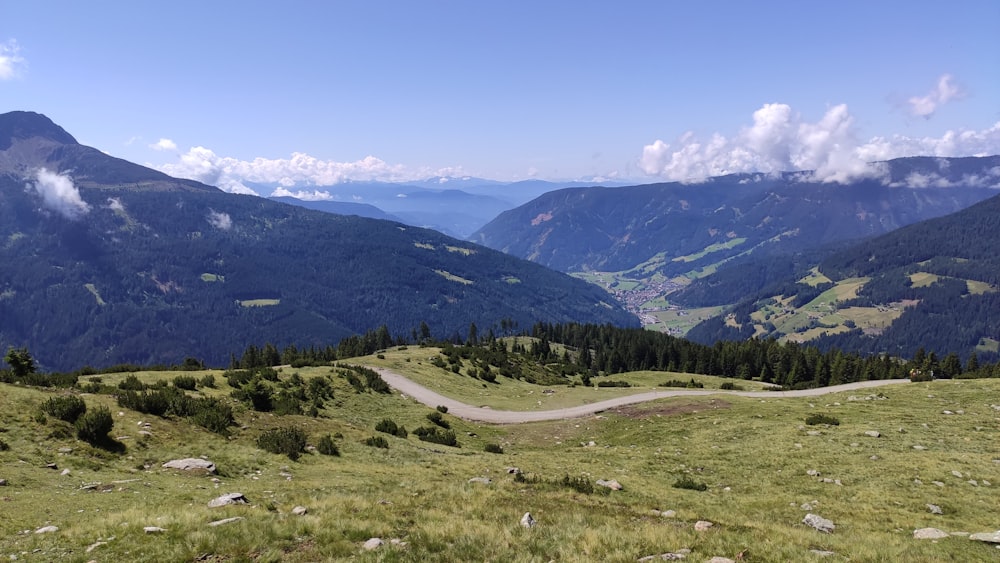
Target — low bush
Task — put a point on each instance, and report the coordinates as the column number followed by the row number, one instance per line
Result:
column 327, row 446
column 814, row 419
column 389, row 426
column 132, row 383
column 213, row 415
column 437, row 436
column 4, row 446
column 437, row 419
column 578, row 484
column 93, row 426
column 493, row 449
column 613, row 384
column 207, row 381
column 377, row 442
column 730, row 386
column 186, row 382
column 288, row 441
column 65, row 407
column 442, row 409
column 686, row 482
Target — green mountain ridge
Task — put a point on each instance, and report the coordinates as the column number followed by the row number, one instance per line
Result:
column 144, row 268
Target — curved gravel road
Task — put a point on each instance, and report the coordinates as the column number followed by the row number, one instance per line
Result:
column 485, row 414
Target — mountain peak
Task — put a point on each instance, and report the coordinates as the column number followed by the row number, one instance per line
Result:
column 28, row 124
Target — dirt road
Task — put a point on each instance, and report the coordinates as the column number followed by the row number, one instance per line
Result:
column 485, row 414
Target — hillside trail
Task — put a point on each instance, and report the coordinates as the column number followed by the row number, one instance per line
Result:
column 485, row 414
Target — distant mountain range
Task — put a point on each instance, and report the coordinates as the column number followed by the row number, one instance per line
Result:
column 103, row 261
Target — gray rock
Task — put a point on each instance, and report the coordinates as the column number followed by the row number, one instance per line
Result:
column 528, row 521
column 94, row 546
column 988, row 537
column 153, row 530
column 65, row 450
column 191, row 464
column 873, row 433
column 3, row 482
column 47, row 530
column 669, row 514
column 718, row 559
column 65, row 472
column 703, row 526
column 372, row 544
column 919, row 447
column 51, row 466
column 938, row 483
column 483, row 480
column 813, row 473
column 300, row 511
column 663, row 557
column 819, row 523
column 513, row 471
column 821, row 553
column 929, row 534
column 225, row 521
column 934, row 509
column 612, row 484
column 227, row 499
column 956, row 473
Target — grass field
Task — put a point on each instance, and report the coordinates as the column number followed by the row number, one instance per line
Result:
column 752, row 454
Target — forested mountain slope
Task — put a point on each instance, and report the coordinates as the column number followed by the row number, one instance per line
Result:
column 103, row 261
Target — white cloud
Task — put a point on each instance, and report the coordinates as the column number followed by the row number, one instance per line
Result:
column 229, row 174
column 304, row 195
column 115, row 204
column 221, row 221
column 945, row 91
column 164, row 145
column 59, row 194
column 10, row 60
column 780, row 141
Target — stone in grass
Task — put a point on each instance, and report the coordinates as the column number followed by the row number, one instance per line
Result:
column 703, row 526
column 929, row 534
column 988, row 537
column 819, row 523
column 821, row 552
column 300, row 511
column 153, row 530
column 47, row 529
column 192, row 464
column 483, row 480
column 873, row 433
column 528, row 521
column 934, row 509
column 612, row 484
column 674, row 556
column 225, row 521
column 227, row 499
column 3, row 482
column 718, row 559
column 372, row 544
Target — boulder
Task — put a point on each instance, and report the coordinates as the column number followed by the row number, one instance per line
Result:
column 819, row 523
column 227, row 499
column 612, row 484
column 481, row 480
column 3, row 482
column 718, row 559
column 528, row 521
column 988, row 537
column 153, row 530
column 934, row 509
column 929, row 534
column 193, row 464
column 664, row 557
column 703, row 526
column 300, row 511
column 47, row 529
column 873, row 433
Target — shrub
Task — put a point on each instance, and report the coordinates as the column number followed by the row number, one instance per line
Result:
column 442, row 409
column 213, row 415
column 65, row 407
column 207, row 381
column 289, row 441
column 327, row 446
column 389, row 426
column 377, row 442
column 613, row 384
column 578, row 484
column 817, row 418
column 93, row 426
column 131, row 383
column 730, row 386
column 437, row 419
column 437, row 436
column 185, row 382
column 493, row 449
column 155, row 403
column 4, row 446
column 687, row 482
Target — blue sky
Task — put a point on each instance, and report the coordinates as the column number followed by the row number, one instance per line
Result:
column 305, row 93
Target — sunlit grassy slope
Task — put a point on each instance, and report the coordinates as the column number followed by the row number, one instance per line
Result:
column 752, row 454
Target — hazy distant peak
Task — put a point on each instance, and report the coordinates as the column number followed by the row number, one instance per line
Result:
column 20, row 125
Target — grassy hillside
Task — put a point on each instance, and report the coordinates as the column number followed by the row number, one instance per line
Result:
column 753, row 455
